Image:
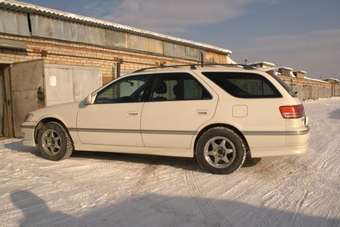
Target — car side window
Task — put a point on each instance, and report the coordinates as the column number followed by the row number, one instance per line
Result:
column 244, row 85
column 130, row 89
column 177, row 87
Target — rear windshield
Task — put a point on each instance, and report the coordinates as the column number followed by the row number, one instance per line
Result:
column 285, row 86
column 244, row 85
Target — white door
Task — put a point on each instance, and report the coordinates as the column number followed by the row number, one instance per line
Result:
column 114, row 118
column 75, row 82
column 177, row 106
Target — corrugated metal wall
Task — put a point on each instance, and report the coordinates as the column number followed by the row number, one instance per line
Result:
column 70, row 31
column 47, row 27
column 144, row 44
column 172, row 49
column 14, row 23
column 192, row 53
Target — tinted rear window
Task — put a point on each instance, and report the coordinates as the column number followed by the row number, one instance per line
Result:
column 244, row 85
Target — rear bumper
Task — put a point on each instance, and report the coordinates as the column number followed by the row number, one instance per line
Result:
column 294, row 143
column 278, row 151
column 27, row 129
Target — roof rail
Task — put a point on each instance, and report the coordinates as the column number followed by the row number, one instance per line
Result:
column 194, row 66
column 250, row 67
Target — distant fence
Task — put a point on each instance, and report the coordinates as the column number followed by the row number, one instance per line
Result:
column 309, row 88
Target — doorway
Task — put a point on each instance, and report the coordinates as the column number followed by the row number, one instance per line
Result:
column 2, row 101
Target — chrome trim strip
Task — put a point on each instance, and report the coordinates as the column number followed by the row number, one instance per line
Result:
column 133, row 131
column 277, row 133
column 169, row 132
column 104, row 130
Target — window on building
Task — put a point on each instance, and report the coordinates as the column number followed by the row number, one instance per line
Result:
column 244, row 85
column 176, row 87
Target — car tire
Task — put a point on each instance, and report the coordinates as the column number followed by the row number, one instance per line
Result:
column 220, row 150
column 54, row 142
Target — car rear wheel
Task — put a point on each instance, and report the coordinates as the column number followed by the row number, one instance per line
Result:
column 220, row 151
column 54, row 143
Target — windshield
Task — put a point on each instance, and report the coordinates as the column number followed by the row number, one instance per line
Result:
column 285, row 86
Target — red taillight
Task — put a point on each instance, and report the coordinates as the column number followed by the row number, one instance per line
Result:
column 292, row 112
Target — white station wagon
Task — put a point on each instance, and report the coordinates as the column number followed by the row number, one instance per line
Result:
column 217, row 114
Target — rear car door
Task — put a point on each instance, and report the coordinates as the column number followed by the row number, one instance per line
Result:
column 178, row 105
column 255, row 105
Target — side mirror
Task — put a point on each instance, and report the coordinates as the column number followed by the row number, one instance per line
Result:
column 89, row 100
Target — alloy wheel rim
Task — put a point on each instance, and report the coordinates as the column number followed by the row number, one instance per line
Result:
column 51, row 142
column 220, row 152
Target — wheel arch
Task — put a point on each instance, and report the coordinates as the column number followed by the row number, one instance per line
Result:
column 47, row 120
column 236, row 130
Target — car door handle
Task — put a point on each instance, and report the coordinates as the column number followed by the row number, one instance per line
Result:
column 202, row 112
column 133, row 113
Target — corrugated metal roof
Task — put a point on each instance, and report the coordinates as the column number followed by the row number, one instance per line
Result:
column 26, row 7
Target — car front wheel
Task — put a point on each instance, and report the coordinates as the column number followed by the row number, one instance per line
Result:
column 54, row 143
column 220, row 151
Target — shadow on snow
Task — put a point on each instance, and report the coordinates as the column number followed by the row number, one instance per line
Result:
column 335, row 114
column 158, row 210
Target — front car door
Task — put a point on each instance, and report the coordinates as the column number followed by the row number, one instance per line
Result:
column 178, row 105
column 114, row 118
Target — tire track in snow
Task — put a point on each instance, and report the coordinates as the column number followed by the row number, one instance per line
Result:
column 147, row 171
column 207, row 207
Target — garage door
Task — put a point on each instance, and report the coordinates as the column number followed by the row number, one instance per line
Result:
column 26, row 79
column 70, row 84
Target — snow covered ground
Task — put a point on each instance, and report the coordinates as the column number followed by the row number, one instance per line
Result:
column 100, row 189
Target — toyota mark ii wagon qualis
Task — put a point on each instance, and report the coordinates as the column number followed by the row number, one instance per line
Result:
column 217, row 114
